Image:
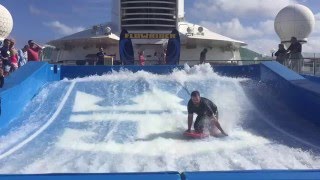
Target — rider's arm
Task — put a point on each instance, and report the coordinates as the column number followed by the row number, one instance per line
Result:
column 190, row 121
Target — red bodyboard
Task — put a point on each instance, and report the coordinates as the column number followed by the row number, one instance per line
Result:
column 195, row 135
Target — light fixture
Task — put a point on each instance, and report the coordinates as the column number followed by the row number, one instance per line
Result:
column 108, row 30
column 200, row 29
column 190, row 31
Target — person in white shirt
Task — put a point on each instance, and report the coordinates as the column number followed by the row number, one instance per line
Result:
column 23, row 55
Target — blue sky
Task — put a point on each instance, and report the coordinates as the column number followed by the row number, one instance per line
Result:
column 250, row 21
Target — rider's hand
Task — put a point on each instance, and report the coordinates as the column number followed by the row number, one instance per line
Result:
column 224, row 133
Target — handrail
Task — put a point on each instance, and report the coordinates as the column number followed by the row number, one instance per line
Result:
column 308, row 66
column 156, row 62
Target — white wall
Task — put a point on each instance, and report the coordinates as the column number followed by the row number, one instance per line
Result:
column 181, row 9
column 79, row 53
column 214, row 54
column 190, row 56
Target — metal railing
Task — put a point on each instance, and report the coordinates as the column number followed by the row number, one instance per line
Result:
column 308, row 66
column 155, row 62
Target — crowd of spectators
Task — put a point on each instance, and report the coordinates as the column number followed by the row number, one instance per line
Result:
column 292, row 56
column 11, row 58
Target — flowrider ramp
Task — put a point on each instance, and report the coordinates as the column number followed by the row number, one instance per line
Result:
column 133, row 122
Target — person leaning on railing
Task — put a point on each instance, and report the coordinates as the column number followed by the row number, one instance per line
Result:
column 34, row 51
column 281, row 54
column 142, row 59
column 100, row 57
column 295, row 55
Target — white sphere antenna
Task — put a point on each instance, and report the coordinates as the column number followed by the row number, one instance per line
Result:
column 6, row 22
column 294, row 21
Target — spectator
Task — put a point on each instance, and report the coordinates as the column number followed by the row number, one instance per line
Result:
column 5, row 56
column 100, row 57
column 156, row 59
column 33, row 51
column 1, row 78
column 295, row 55
column 281, row 54
column 13, row 57
column 163, row 57
column 23, row 55
column 203, row 56
column 141, row 58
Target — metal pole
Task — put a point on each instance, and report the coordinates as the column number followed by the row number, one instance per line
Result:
column 314, row 66
column 300, row 64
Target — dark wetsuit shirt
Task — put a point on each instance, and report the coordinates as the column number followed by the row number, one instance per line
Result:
column 206, row 107
column 295, row 48
column 5, row 54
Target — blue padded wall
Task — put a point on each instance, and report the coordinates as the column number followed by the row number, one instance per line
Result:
column 272, row 174
column 21, row 86
column 300, row 94
column 114, row 176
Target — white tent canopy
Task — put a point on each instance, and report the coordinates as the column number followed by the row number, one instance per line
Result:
column 86, row 38
column 191, row 34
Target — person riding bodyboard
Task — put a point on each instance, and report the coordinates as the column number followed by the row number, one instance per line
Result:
column 207, row 113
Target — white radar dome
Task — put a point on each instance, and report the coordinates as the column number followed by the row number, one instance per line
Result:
column 6, row 22
column 294, row 21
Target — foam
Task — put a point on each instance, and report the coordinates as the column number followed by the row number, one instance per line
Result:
column 98, row 132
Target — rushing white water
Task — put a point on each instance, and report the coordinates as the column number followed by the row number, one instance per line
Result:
column 133, row 122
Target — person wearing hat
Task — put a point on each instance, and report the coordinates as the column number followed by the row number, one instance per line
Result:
column 33, row 51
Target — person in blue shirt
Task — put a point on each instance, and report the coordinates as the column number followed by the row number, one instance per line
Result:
column 23, row 56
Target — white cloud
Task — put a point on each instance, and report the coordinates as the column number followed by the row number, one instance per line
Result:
column 265, row 45
column 267, row 27
column 43, row 12
column 235, row 29
column 63, row 29
column 35, row 10
column 249, row 21
column 313, row 44
column 262, row 45
column 92, row 6
column 232, row 29
column 240, row 8
column 261, row 39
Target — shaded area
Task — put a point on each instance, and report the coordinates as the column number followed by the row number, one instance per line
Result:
column 276, row 120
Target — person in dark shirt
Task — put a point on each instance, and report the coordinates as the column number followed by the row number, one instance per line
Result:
column 203, row 56
column 1, row 78
column 5, row 56
column 207, row 113
column 295, row 46
column 281, row 54
column 5, row 49
column 295, row 55
column 100, row 57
